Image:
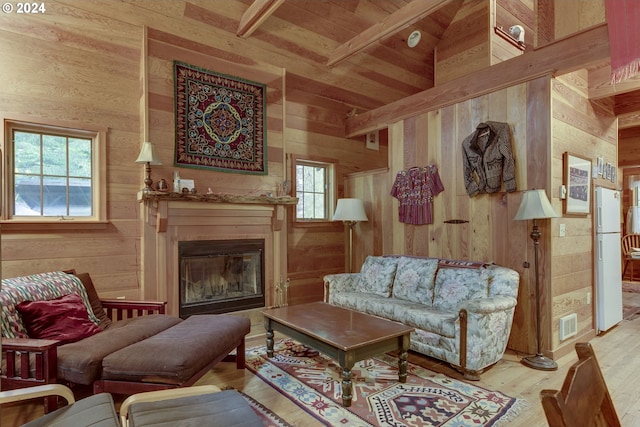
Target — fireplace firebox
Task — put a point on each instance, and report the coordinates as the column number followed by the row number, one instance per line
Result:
column 220, row 276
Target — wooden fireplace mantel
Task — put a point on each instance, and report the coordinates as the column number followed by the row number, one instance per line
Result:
column 157, row 197
column 219, row 198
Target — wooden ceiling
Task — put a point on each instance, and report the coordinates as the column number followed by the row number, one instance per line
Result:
column 355, row 51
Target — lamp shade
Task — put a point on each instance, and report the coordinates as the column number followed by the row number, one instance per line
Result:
column 147, row 154
column 350, row 210
column 535, row 205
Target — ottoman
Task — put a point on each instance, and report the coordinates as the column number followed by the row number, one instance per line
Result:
column 181, row 354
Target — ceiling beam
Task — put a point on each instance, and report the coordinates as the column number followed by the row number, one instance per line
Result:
column 397, row 21
column 255, row 15
column 587, row 48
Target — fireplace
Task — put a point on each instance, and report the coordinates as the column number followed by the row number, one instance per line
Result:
column 220, row 276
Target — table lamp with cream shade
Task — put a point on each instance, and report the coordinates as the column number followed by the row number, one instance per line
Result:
column 350, row 212
column 535, row 205
column 148, row 157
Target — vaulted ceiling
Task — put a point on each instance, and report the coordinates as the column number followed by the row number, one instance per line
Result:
column 364, row 45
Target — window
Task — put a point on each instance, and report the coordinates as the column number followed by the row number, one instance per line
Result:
column 314, row 182
column 53, row 173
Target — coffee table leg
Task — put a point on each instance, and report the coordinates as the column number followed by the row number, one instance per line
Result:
column 270, row 335
column 402, row 359
column 347, row 387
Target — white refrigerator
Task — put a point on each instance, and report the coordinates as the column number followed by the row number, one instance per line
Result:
column 608, row 259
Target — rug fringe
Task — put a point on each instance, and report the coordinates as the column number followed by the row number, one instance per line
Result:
column 514, row 412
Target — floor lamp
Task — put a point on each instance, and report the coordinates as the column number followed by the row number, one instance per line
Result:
column 350, row 212
column 535, row 205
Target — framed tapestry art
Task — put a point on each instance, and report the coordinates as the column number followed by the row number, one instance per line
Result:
column 220, row 121
column 577, row 176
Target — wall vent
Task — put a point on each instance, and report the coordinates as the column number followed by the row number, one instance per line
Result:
column 568, row 326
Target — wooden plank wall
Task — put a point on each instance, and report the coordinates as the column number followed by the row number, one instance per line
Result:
column 548, row 117
column 587, row 129
column 465, row 46
column 436, row 138
column 77, row 68
column 314, row 131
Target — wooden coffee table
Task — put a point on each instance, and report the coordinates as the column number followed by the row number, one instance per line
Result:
column 346, row 336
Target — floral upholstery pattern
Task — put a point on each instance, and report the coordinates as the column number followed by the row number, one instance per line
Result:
column 414, row 279
column 455, row 285
column 485, row 297
column 377, row 275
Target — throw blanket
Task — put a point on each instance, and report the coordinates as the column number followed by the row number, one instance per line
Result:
column 623, row 20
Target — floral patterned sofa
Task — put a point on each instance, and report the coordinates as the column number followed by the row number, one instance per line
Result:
column 462, row 311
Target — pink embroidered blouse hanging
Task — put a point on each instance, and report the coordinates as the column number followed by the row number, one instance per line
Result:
column 414, row 189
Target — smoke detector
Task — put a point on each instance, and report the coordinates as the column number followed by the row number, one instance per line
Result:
column 414, row 38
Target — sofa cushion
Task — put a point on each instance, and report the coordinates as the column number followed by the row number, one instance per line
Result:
column 456, row 285
column 435, row 321
column 179, row 352
column 64, row 319
column 36, row 287
column 94, row 300
column 81, row 362
column 377, row 275
column 415, row 279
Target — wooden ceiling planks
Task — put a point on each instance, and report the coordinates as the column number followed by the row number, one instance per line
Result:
column 402, row 18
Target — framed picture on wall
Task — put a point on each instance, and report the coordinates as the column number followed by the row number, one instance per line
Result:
column 577, row 179
column 600, row 166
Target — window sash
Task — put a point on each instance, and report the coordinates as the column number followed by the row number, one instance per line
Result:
column 66, row 187
column 312, row 189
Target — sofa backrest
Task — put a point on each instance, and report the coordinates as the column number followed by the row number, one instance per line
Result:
column 453, row 285
column 377, row 275
column 414, row 280
column 36, row 287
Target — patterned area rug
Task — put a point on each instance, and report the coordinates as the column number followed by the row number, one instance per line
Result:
column 313, row 382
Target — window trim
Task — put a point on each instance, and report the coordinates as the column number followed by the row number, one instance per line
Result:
column 330, row 166
column 98, row 172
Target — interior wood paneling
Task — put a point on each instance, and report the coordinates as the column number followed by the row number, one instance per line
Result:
column 436, row 138
column 575, row 118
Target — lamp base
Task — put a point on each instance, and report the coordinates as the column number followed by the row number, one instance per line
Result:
column 540, row 362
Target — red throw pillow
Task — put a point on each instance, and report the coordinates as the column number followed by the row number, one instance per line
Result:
column 64, row 319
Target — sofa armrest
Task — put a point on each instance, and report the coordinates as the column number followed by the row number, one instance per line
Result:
column 118, row 309
column 341, row 282
column 485, row 326
column 488, row 305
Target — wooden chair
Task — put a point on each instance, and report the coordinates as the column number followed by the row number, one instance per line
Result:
column 629, row 241
column 584, row 400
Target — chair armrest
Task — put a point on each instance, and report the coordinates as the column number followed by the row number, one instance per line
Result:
column 118, row 309
column 21, row 394
column 488, row 305
column 156, row 395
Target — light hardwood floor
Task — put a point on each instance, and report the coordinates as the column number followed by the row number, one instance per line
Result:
column 618, row 354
